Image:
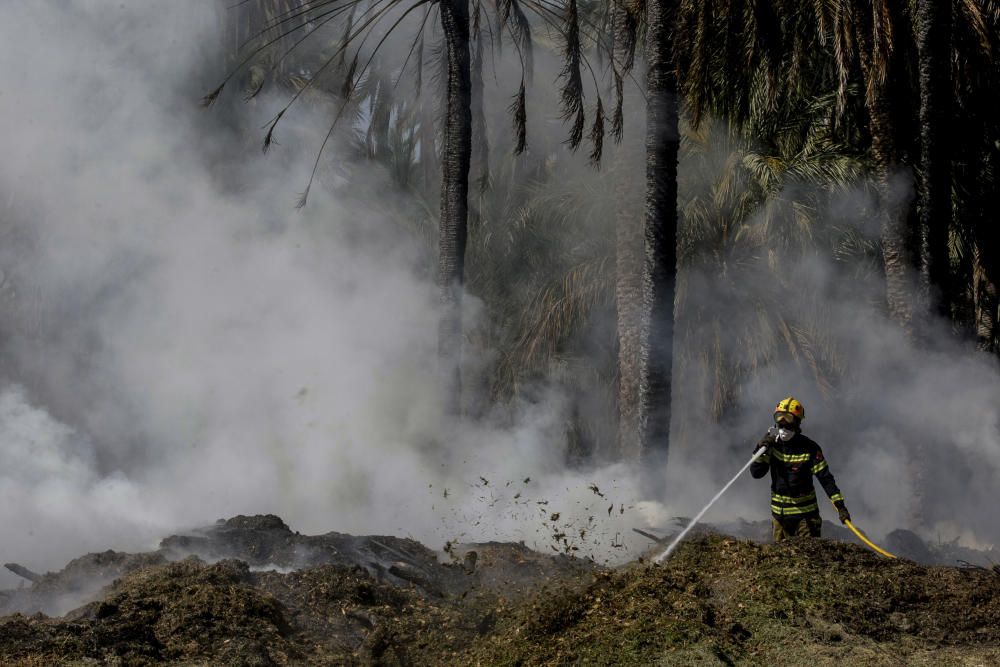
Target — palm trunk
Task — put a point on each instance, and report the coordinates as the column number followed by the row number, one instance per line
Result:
column 900, row 283
column 629, row 260
column 894, row 208
column 934, row 42
column 455, row 162
column 659, row 230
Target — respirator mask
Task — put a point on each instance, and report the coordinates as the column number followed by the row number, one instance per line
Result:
column 784, row 424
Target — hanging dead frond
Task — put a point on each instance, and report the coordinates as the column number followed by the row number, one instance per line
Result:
column 303, row 197
column 597, row 134
column 349, row 82
column 571, row 95
column 618, row 119
column 512, row 16
column 626, row 29
column 269, row 137
column 519, row 112
column 209, row 100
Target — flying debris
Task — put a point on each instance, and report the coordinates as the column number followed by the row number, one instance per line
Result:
column 650, row 536
column 24, row 572
column 593, row 487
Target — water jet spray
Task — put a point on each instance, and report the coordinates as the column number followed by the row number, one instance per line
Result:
column 697, row 517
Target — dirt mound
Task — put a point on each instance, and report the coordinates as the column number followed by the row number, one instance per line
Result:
column 184, row 611
column 81, row 580
column 226, row 613
column 901, row 542
column 274, row 596
column 718, row 600
column 726, row 601
column 266, row 542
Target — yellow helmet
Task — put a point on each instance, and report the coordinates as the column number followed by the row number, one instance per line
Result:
column 789, row 409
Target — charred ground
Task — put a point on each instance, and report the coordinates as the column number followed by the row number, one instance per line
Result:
column 250, row 591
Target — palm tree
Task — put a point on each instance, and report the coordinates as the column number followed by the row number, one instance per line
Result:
column 743, row 216
column 629, row 243
column 934, row 43
column 659, row 228
column 975, row 238
column 743, row 58
column 285, row 19
column 456, row 156
column 879, row 34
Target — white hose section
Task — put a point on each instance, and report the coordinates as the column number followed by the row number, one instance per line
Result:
column 666, row 553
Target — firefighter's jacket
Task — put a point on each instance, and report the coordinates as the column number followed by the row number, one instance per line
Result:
column 792, row 465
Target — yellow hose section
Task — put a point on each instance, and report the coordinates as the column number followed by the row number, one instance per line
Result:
column 867, row 541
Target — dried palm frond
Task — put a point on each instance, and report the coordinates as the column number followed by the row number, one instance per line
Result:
column 597, row 134
column 625, row 26
column 571, row 93
column 520, row 115
column 512, row 16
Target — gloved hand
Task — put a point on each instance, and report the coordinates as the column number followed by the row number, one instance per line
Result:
column 845, row 516
column 769, row 439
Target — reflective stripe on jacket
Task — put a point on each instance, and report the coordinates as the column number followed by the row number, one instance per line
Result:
column 792, row 466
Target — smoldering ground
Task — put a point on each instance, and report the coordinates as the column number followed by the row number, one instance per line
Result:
column 182, row 345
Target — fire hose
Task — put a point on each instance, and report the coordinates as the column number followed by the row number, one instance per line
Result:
column 756, row 455
column 861, row 536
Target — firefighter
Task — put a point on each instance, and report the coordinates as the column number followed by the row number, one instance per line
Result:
column 793, row 459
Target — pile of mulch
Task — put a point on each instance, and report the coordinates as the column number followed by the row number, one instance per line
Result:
column 718, row 600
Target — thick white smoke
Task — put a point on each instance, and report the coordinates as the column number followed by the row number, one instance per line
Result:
column 193, row 348
column 209, row 350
